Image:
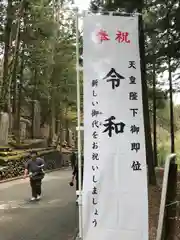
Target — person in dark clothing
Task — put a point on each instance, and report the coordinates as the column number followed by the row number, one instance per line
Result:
column 34, row 168
column 73, row 160
column 75, row 175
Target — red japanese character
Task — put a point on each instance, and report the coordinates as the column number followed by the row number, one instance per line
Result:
column 122, row 37
column 103, row 35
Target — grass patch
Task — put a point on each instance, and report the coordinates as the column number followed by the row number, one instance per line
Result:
column 164, row 147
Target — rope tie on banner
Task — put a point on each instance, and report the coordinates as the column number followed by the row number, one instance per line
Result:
column 110, row 13
column 173, row 203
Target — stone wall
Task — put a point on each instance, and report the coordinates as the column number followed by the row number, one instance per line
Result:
column 15, row 167
column 4, row 126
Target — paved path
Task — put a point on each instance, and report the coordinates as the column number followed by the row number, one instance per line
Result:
column 53, row 218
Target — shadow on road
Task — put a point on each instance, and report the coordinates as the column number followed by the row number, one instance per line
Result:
column 54, row 217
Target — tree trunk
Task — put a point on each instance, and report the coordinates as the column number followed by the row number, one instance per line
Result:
column 18, row 115
column 33, row 102
column 14, row 66
column 13, row 75
column 66, row 121
column 147, row 128
column 53, row 109
column 169, row 58
column 7, row 36
column 59, row 139
column 154, row 115
column 14, row 82
column 18, row 105
column 154, row 102
column 14, row 70
column 171, row 106
column 59, row 131
column 53, row 117
column 67, row 131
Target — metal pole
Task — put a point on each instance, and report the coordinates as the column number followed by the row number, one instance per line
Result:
column 154, row 106
column 78, row 126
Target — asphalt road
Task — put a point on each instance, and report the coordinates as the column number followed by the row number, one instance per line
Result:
column 52, row 218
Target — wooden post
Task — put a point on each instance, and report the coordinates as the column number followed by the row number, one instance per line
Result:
column 170, row 216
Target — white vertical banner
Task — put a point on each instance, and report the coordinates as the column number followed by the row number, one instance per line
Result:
column 115, row 198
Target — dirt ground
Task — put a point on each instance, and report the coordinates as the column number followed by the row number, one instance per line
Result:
column 154, row 204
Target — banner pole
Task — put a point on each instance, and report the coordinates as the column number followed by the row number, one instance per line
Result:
column 79, row 126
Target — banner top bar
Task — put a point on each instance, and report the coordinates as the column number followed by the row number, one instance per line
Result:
column 110, row 13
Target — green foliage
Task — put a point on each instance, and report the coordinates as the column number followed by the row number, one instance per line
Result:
column 47, row 51
column 163, row 151
column 163, row 133
column 164, row 147
column 128, row 5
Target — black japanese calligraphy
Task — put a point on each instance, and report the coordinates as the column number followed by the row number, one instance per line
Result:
column 134, row 129
column 94, row 202
column 94, row 192
column 132, row 64
column 95, row 156
column 94, row 94
column 132, row 80
column 111, row 126
column 94, row 103
column 133, row 96
column 136, row 166
column 135, row 146
column 96, row 212
column 95, row 123
column 94, row 181
column 95, row 168
column 134, row 111
column 114, row 78
column 95, row 135
column 94, row 83
column 95, row 222
column 95, row 113
column 95, row 145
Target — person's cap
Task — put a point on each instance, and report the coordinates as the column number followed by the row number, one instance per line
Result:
column 33, row 152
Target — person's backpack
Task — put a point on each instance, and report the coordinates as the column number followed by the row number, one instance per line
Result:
column 39, row 174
